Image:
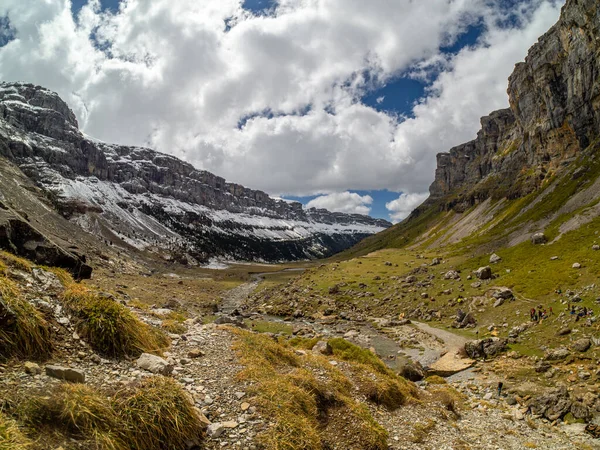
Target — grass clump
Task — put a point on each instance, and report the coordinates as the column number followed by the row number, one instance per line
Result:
column 173, row 326
column 8, row 259
column 109, row 327
column 152, row 415
column 23, row 332
column 421, row 430
column 306, row 399
column 157, row 415
column 11, row 437
column 435, row 379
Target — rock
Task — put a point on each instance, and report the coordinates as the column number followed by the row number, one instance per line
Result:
column 484, row 273
column 581, row 345
column 410, row 279
column 557, row 354
column 323, row 348
column 32, row 368
column 214, row 430
column 411, row 370
column 539, row 238
column 424, row 295
column 581, row 411
column 499, row 302
column 7, row 316
column 154, row 364
column 195, row 353
column 563, row 331
column 485, row 348
column 576, row 265
column 488, row 396
column 452, row 275
column 553, row 258
column 66, row 373
column 517, row 330
column 468, row 320
column 553, row 405
column 503, row 292
column 436, row 261
column 595, row 247
column 245, row 406
column 495, row 259
column 511, row 400
column 542, row 367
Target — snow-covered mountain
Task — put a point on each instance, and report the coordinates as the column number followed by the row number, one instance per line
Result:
column 132, row 196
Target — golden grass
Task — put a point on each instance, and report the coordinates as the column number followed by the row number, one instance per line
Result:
column 109, row 327
column 155, row 414
column 29, row 335
column 421, row 430
column 173, row 326
column 306, row 398
column 435, row 379
column 15, row 261
column 11, row 437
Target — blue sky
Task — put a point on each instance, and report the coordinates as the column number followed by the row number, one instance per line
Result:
column 363, row 151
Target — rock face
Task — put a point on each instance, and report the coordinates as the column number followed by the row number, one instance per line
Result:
column 138, row 197
column 554, row 114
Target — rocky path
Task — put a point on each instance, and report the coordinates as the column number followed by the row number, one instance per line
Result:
column 234, row 298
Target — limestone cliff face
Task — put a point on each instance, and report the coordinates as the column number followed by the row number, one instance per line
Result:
column 554, row 114
column 155, row 201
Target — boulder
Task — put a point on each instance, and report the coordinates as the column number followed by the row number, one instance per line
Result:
column 499, row 302
column 484, row 273
column 539, row 238
column 495, row 259
column 581, row 345
column 323, row 348
column 552, row 405
column 468, row 320
column 154, row 364
column 485, row 348
column 503, row 292
column 230, row 320
column 557, row 354
column 32, row 368
column 411, row 370
column 451, row 275
column 436, row 261
column 581, row 411
column 66, row 373
column 563, row 331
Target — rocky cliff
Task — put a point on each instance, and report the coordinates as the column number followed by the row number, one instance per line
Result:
column 156, row 202
column 554, row 115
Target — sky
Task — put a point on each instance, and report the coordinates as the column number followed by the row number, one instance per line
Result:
column 341, row 104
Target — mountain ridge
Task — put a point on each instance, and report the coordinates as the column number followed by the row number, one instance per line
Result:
column 155, row 201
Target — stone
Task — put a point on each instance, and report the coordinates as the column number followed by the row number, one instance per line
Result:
column 542, row 367
column 498, row 302
column 552, row 405
column 503, row 292
column 484, row 273
column 557, row 354
column 553, row 258
column 495, row 259
column 451, row 275
column 576, row 265
column 488, row 396
column 436, row 261
column 468, row 320
column 32, row 368
column 539, row 238
column 595, row 247
column 65, row 373
column 154, row 364
column 323, row 348
column 485, row 348
column 195, row 353
column 245, row 406
column 581, row 345
column 411, row 370
column 563, row 331
column 581, row 411
column 214, row 430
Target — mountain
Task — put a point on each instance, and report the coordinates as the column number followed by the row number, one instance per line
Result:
column 142, row 199
column 534, row 166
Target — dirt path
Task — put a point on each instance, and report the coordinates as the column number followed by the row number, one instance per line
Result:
column 234, row 298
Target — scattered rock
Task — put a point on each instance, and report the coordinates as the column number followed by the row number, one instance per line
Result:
column 503, row 292
column 484, row 273
column 581, row 345
column 464, row 320
column 436, row 261
column 154, row 364
column 595, row 247
column 563, row 331
column 553, row 405
column 323, row 348
column 195, row 353
column 452, row 275
column 557, row 354
column 485, row 348
column 32, row 368
column 539, row 238
column 576, row 265
column 499, row 302
column 411, row 370
column 66, row 373
column 495, row 259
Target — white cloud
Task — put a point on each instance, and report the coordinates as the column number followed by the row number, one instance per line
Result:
column 171, row 76
column 401, row 207
column 380, row 99
column 346, row 202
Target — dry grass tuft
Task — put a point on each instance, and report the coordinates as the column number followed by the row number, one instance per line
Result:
column 8, row 259
column 11, row 437
column 435, row 379
column 306, row 398
column 23, row 332
column 155, row 414
column 421, row 430
column 109, row 327
column 448, row 398
column 173, row 326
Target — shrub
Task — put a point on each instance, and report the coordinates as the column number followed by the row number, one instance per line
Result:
column 11, row 437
